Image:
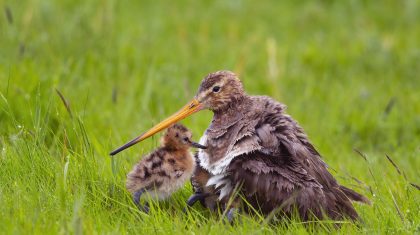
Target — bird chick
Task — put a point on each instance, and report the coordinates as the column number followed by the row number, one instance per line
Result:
column 166, row 169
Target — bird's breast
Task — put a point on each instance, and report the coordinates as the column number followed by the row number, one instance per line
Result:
column 221, row 151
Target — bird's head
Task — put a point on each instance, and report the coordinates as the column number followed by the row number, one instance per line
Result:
column 217, row 92
column 178, row 136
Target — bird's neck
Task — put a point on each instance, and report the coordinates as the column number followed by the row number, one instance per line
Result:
column 232, row 111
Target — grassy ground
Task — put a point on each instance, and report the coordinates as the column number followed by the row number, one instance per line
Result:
column 348, row 71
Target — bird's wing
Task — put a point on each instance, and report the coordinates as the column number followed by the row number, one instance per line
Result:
column 285, row 164
column 268, row 185
column 280, row 136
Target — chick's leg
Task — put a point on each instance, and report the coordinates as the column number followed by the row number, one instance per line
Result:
column 136, row 199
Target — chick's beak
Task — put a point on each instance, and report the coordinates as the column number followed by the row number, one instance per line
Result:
column 189, row 109
column 197, row 145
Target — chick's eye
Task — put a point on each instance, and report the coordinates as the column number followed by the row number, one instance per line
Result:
column 216, row 89
column 186, row 139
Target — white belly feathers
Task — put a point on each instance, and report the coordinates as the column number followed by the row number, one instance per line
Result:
column 218, row 169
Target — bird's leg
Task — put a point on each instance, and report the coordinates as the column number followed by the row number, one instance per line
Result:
column 145, row 208
column 233, row 210
column 232, row 214
column 136, row 199
column 194, row 198
column 137, row 195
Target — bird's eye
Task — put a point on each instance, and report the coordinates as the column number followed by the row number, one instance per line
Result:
column 186, row 139
column 216, row 89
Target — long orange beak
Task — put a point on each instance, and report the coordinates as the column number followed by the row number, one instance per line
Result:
column 192, row 107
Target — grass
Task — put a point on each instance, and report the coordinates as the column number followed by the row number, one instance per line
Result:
column 348, row 71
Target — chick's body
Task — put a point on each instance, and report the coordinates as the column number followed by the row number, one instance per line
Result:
column 166, row 169
column 163, row 171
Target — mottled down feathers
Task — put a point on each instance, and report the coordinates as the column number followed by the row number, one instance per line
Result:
column 167, row 168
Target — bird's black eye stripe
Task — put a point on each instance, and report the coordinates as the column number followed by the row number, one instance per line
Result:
column 216, row 89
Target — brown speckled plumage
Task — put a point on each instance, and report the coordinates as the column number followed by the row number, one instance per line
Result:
column 251, row 142
column 166, row 169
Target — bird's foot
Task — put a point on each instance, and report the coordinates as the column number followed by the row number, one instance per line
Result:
column 232, row 215
column 145, row 208
column 194, row 198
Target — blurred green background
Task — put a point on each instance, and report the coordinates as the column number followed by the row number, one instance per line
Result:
column 347, row 70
